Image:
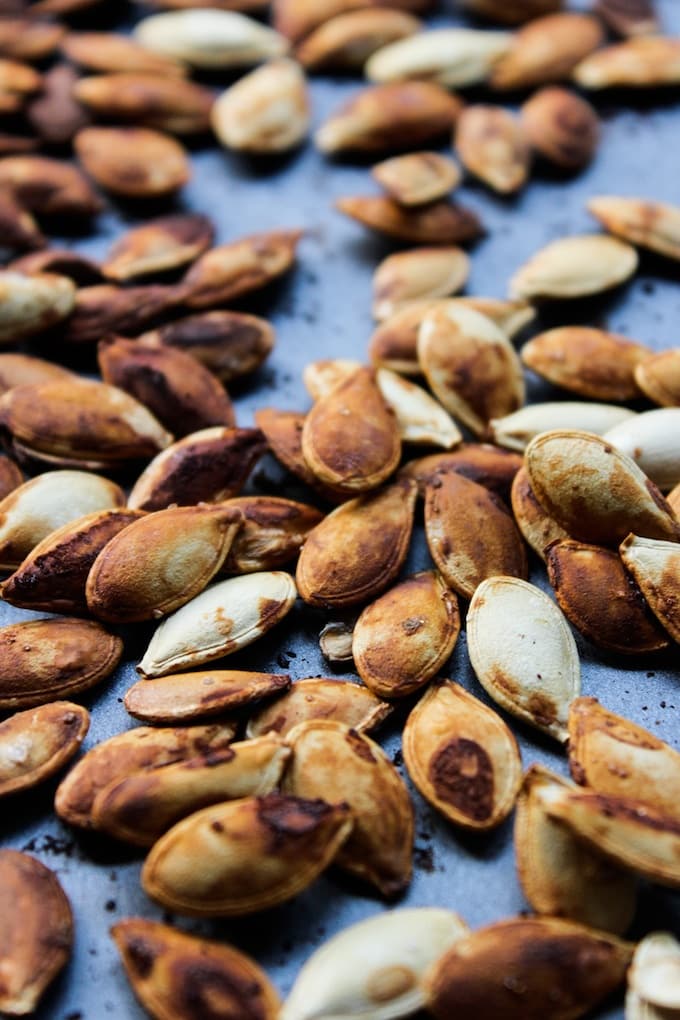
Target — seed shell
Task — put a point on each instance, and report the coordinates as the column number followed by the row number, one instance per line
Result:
column 436, row 223
column 209, row 38
column 418, row 177
column 523, row 653
column 358, row 550
column 111, row 52
column 346, row 41
column 107, row 310
column 561, row 876
column 139, row 808
column 642, row 62
column 174, row 974
column 417, row 274
column 420, row 418
column 320, row 698
column 37, row 508
column 654, row 566
column 658, row 376
column 266, row 111
column 483, row 463
column 595, row 492
column 374, row 968
column 46, row 660
column 49, row 187
column 538, row 528
column 649, row 440
column 613, row 756
column 36, row 744
column 491, row 145
column 454, row 57
column 174, row 105
column 349, row 767
column 271, row 535
column 255, row 853
column 160, row 245
column 462, row 757
column 127, row 753
column 32, row 304
column 225, row 617
column 404, row 638
column 547, row 50
column 53, row 576
column 232, row 270
column 133, row 162
column 515, row 431
column 283, row 432
column 188, row 696
column 563, row 969
column 24, row 369
column 37, row 931
column 653, row 975
column 470, row 533
column 562, row 127
column 653, row 225
column 335, row 642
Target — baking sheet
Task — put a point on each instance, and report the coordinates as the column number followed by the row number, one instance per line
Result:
column 323, row 310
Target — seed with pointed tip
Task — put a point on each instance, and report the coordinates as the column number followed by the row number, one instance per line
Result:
column 320, row 698
column 185, row 697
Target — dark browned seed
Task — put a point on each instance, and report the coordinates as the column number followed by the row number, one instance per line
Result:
column 208, row 466
column 132, row 161
column 272, row 534
column 437, row 223
column 167, row 104
column 629, row 17
column 11, row 476
column 18, row 229
column 601, row 599
column 185, row 976
column 55, row 115
column 61, row 8
column 561, row 126
column 37, row 743
column 230, row 344
column 240, row 267
column 24, row 370
column 112, row 53
column 297, row 18
column 347, row 40
column 283, row 432
column 159, row 245
column 547, row 50
column 320, row 698
column 63, row 262
column 106, row 310
column 25, row 39
column 187, row 696
column 36, row 934
column 490, row 466
column 537, row 526
column 182, row 394
column 49, row 187
column 44, row 660
column 470, row 533
column 52, row 578
column 29, row 305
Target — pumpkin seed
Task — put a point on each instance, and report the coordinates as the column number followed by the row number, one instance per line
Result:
column 20, row 232
column 26, row 39
column 297, row 18
column 167, row 243
column 266, row 111
column 188, row 696
column 436, row 223
column 547, row 50
column 648, row 439
column 480, row 462
column 133, row 162
column 346, row 41
column 491, row 145
column 629, row 17
column 575, row 267
column 60, row 262
column 11, row 476
column 335, row 642
column 271, row 535
column 654, row 976
column 36, row 744
column 24, row 369
column 175, row 105
column 49, row 187
column 658, row 376
column 654, row 566
column 107, row 310
column 110, row 52
column 418, row 177
column 421, row 273
column 209, row 38
column 320, row 698
column 653, row 225
column 515, row 431
column 240, row 267
column 283, row 432
column 454, row 57
column 538, row 528
column 32, row 304
column 641, row 62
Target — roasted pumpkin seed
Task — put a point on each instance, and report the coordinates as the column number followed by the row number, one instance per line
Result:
column 418, row 177
column 266, row 111
column 209, row 38
column 175, row 105
column 454, row 57
column 231, row 270
column 24, row 369
column 346, row 41
column 188, row 696
column 271, row 535
column 36, row 744
column 32, row 304
column 658, row 376
column 547, row 50
column 653, row 225
column 491, row 145
column 55, row 115
column 641, row 62
column 134, row 162
column 436, row 223
column 167, row 243
column 515, row 431
column 649, row 440
column 112, row 52
column 107, row 310
column 320, row 698
column 538, row 528
column 49, row 187
column 483, row 463
column 418, row 274
column 653, row 978
column 420, row 418
column 654, row 566
column 297, row 18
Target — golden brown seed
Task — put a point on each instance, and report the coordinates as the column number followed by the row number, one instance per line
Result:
column 654, row 565
column 238, row 268
column 81, row 421
column 483, row 463
column 184, row 396
column 167, row 104
column 297, row 18
column 111, row 53
column 141, row 748
column 174, row 974
column 538, row 527
column 139, row 808
column 37, row 508
column 33, row 304
column 36, row 744
column 673, row 499
column 404, row 638
column 490, row 143
column 400, row 115
column 167, row 243
column 20, row 232
column 417, row 274
column 513, row 13
column 49, row 187
column 266, row 111
column 629, row 17
column 55, row 115
column 37, row 930
column 471, row 366
column 358, row 550
column 134, row 162
column 346, row 41
column 230, row 344
column 188, row 696
column 470, row 533
column 206, row 467
column 25, row 39
column 271, row 535
column 45, row 660
column 653, row 225
column 23, row 370
column 349, row 767
column 417, row 178
column 658, row 376
column 11, row 476
column 420, row 418
column 523, row 652
column 436, row 223
column 225, row 617
column 462, row 757
column 595, row 492
column 598, row 597
column 575, row 267
column 562, row 968
column 547, row 50
column 160, row 562
column 643, row 62
column 350, row 439
column 255, row 853
column 52, row 578
column 590, row 362
column 107, row 310
column 320, row 698
column 561, row 126
column 561, row 876
column 613, row 756
column 283, row 432
column 454, row 57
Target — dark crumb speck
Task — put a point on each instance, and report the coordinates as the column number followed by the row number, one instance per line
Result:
column 650, row 673
column 644, row 708
column 74, row 1016
column 168, row 918
column 662, row 704
column 283, row 661
column 398, row 758
column 423, row 858
column 110, row 905
column 49, row 844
